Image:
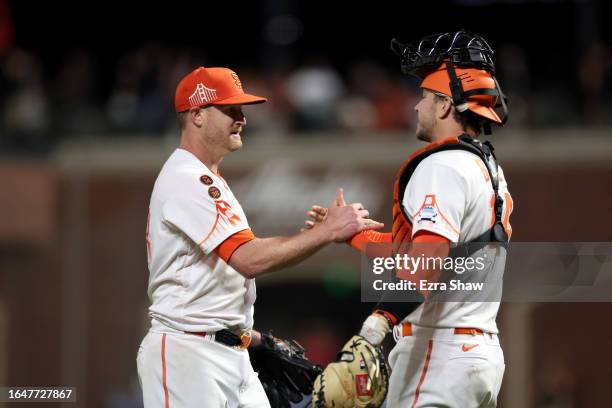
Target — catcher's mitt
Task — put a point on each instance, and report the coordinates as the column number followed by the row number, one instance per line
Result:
column 359, row 378
column 284, row 371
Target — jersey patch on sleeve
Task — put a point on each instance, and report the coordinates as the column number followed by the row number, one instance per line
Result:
column 428, row 211
column 214, row 192
column 206, row 180
column 430, row 214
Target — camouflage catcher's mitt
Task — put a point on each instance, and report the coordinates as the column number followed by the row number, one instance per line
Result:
column 359, row 378
column 284, row 371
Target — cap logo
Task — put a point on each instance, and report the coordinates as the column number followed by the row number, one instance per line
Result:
column 202, row 95
column 237, row 80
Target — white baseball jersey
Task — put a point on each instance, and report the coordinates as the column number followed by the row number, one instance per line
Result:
column 191, row 288
column 450, row 194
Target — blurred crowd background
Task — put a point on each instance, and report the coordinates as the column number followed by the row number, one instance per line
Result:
column 42, row 107
column 556, row 74
column 87, row 120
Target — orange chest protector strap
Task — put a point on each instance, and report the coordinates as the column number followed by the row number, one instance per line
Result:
column 402, row 226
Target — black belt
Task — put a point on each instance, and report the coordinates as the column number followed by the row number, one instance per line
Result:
column 227, row 338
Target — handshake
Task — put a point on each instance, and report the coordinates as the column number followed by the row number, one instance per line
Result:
column 340, row 220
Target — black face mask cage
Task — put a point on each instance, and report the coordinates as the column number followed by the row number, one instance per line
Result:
column 462, row 49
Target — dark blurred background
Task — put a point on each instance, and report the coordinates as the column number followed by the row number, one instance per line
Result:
column 111, row 70
column 87, row 120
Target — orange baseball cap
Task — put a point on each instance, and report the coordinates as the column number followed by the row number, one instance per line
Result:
column 211, row 86
column 471, row 78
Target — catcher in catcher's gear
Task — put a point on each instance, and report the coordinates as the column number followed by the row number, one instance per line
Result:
column 284, row 371
column 452, row 191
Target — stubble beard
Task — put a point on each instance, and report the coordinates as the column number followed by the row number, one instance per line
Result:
column 423, row 132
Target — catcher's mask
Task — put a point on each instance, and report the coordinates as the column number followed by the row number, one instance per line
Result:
column 459, row 65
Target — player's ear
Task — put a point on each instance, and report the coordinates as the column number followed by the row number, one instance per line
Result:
column 444, row 108
column 196, row 116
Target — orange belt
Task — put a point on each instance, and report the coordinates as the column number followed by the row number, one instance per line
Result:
column 407, row 330
column 473, row 332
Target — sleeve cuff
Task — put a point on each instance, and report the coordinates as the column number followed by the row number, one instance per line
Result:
column 226, row 249
column 428, row 236
column 448, row 235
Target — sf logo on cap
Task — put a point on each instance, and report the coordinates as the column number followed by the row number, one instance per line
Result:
column 236, row 80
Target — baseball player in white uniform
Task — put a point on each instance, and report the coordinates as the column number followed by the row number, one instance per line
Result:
column 452, row 191
column 203, row 257
column 448, row 353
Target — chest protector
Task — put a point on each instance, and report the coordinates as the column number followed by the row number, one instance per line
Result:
column 401, row 230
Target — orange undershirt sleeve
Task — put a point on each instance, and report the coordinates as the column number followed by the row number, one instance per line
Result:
column 226, row 249
column 428, row 236
column 360, row 241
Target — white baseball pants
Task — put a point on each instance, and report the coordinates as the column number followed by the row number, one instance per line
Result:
column 438, row 368
column 178, row 370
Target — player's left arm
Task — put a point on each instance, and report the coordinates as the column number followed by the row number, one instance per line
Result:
column 430, row 246
column 387, row 314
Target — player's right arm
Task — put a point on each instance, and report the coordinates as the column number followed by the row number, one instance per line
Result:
column 360, row 241
column 212, row 219
column 262, row 255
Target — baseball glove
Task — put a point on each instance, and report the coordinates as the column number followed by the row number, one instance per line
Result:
column 359, row 378
column 284, row 371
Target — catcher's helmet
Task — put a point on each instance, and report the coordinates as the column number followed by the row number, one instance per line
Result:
column 459, row 65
